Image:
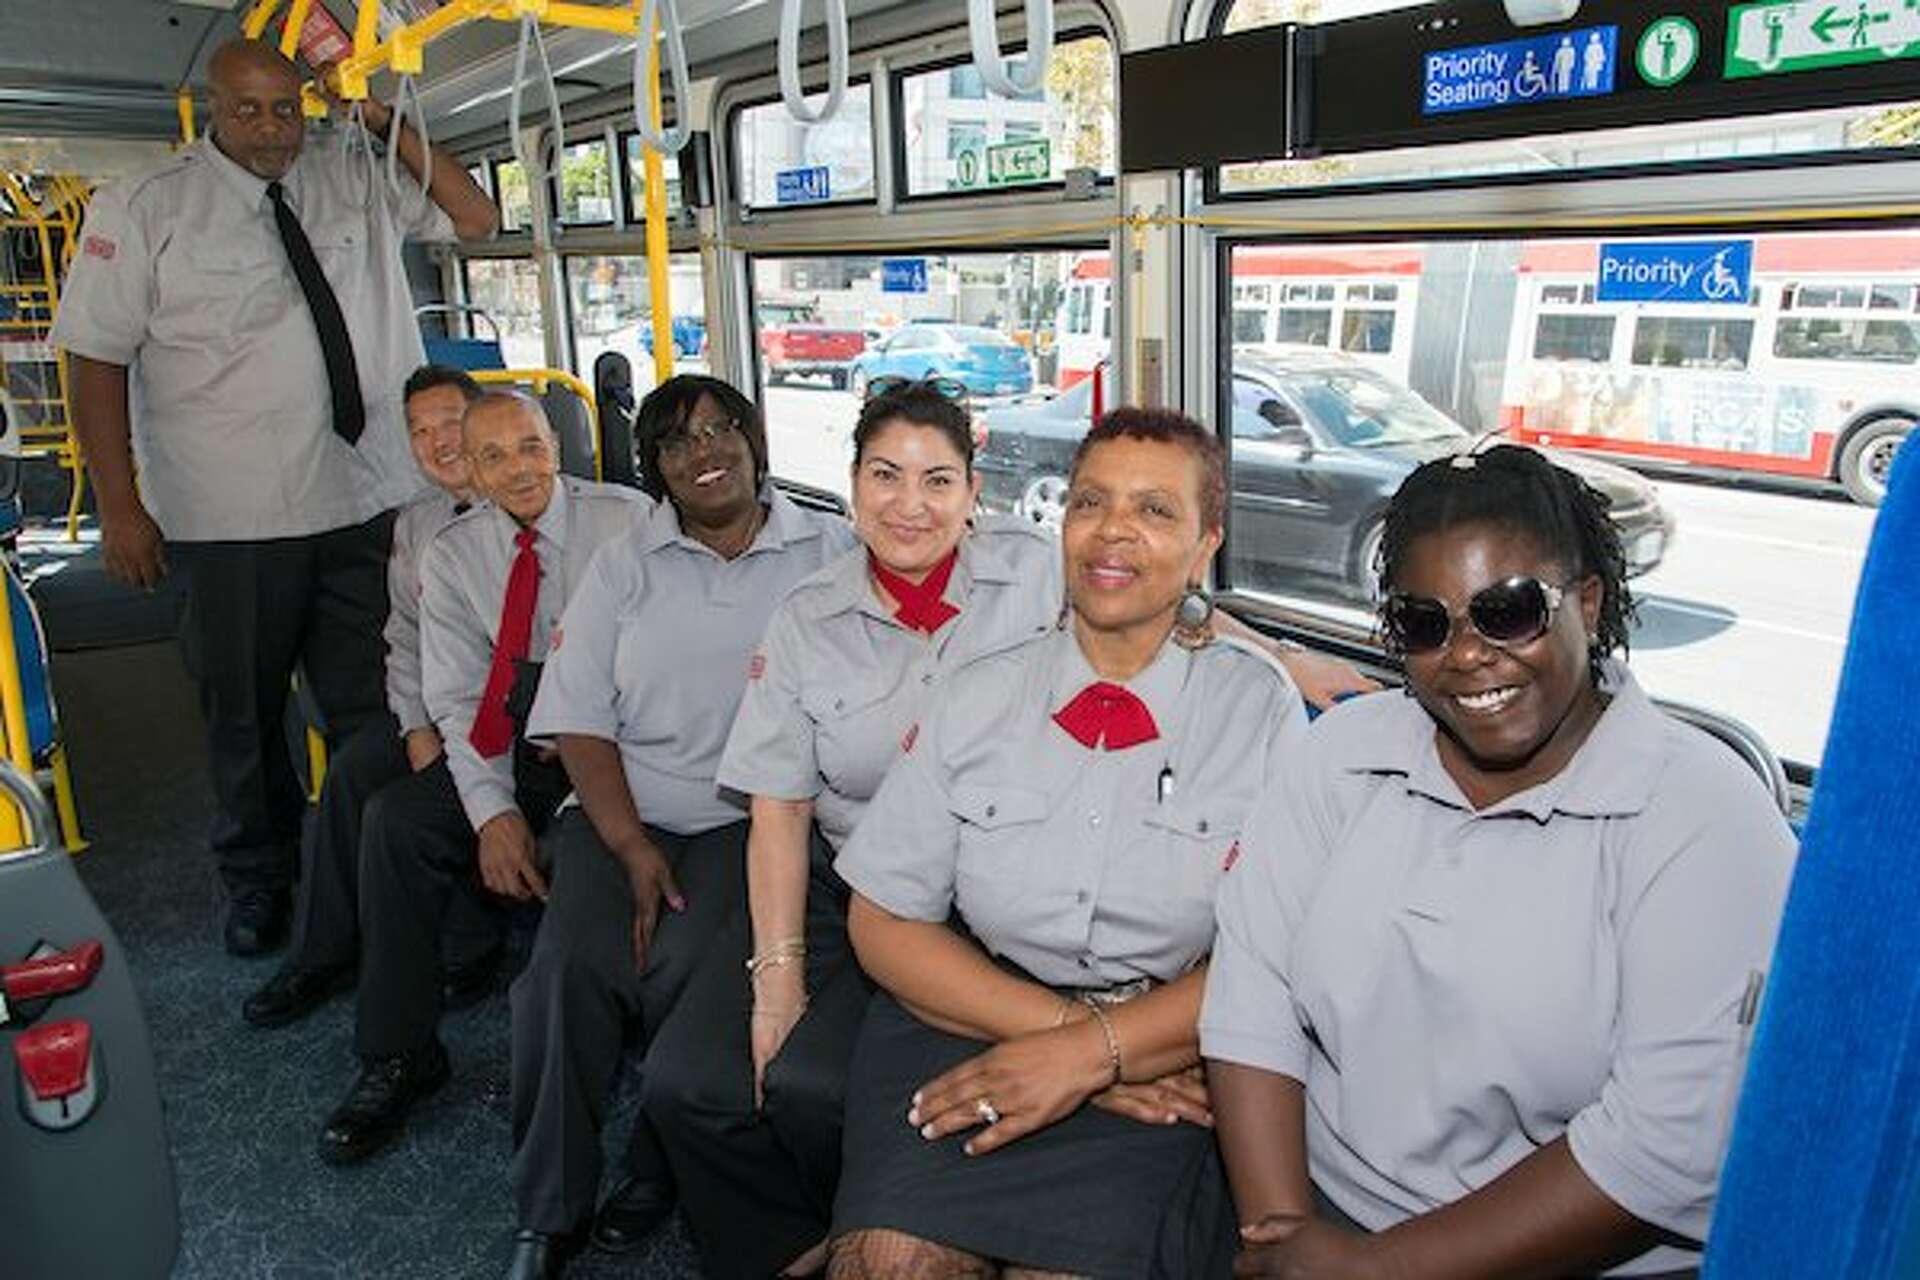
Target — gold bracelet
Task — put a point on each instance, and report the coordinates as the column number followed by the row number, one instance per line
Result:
column 779, row 953
column 1106, row 1029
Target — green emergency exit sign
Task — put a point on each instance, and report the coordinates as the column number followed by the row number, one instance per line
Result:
column 1806, row 35
column 1012, row 163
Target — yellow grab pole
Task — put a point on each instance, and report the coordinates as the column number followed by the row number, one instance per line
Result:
column 658, row 278
column 13, row 703
column 296, row 23
column 257, row 19
column 183, row 103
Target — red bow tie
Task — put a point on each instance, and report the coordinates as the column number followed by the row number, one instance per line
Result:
column 918, row 604
column 1107, row 710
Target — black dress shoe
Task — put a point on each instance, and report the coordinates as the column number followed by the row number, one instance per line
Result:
column 257, row 921
column 465, row 985
column 541, row 1255
column 295, row 992
column 630, row 1215
column 375, row 1110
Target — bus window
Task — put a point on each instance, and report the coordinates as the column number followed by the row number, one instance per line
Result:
column 781, row 162
column 1249, row 324
column 996, row 323
column 510, row 188
column 611, row 301
column 1367, row 331
column 1588, row 339
column 508, row 290
column 586, row 185
column 1678, row 342
column 959, row 138
column 1310, row 325
column 636, row 179
column 1874, row 341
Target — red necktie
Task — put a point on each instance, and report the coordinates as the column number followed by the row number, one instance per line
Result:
column 1109, row 711
column 492, row 731
column 918, row 604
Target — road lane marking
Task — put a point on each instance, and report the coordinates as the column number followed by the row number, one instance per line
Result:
column 1768, row 540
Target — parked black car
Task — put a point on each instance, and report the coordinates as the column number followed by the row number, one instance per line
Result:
column 1320, row 443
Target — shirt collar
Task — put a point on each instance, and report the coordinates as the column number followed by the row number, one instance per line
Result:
column 1612, row 774
column 1158, row 686
column 784, row 525
column 979, row 561
column 551, row 526
column 250, row 187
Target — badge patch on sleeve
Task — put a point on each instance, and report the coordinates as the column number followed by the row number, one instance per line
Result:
column 1233, row 856
column 756, row 666
column 911, row 736
column 102, row 248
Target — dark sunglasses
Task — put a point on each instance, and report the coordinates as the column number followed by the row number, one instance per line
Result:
column 1515, row 611
column 945, row 388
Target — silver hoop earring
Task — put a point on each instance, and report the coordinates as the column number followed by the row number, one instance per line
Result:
column 1193, row 619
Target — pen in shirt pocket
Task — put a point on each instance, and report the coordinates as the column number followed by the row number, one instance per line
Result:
column 1163, row 788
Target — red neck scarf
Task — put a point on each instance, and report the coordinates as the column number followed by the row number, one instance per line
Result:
column 918, row 606
column 1107, row 710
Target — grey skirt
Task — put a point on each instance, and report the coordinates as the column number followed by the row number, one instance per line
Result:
column 1096, row 1194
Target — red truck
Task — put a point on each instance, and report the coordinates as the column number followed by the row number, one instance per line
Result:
column 793, row 343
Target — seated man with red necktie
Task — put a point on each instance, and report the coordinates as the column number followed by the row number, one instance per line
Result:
column 1033, row 891
column 494, row 582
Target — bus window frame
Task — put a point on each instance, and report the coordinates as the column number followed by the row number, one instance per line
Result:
column 616, row 218
column 813, row 82
column 897, row 77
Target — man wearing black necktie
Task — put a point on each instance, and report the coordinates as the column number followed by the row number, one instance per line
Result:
column 251, row 295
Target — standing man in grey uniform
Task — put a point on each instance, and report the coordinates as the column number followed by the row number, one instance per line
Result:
column 326, row 928
column 251, row 296
column 493, row 584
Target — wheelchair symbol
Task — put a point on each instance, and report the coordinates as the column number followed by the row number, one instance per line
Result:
column 1720, row 284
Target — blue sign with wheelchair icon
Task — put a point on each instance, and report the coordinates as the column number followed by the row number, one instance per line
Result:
column 803, row 186
column 1565, row 64
column 1676, row 271
column 903, row 275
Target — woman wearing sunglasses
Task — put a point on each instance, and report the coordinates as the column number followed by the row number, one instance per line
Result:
column 1033, row 890
column 1488, row 963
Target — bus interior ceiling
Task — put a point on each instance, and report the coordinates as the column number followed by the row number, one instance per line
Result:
column 1339, row 317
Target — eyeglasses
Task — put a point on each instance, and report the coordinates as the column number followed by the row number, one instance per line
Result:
column 946, row 388
column 684, row 437
column 1514, row 611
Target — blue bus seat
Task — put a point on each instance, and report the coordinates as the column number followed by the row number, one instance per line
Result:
column 1823, row 1175
column 30, row 643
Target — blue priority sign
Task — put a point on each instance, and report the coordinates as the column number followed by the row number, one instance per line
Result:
column 903, row 275
column 1564, row 64
column 1676, row 271
column 802, row 186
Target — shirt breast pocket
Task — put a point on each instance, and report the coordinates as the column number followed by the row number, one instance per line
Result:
column 857, row 732
column 220, row 295
column 999, row 863
column 1193, row 842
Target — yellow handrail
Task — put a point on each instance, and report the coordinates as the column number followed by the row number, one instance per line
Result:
column 540, row 380
column 658, row 277
column 13, row 718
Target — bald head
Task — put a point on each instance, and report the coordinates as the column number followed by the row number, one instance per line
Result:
column 255, row 95
column 511, row 449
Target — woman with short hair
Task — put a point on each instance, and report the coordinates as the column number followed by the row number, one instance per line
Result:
column 1489, row 959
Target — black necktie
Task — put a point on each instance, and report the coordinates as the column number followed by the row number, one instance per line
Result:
column 336, row 348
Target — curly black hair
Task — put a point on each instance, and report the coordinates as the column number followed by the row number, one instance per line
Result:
column 1521, row 490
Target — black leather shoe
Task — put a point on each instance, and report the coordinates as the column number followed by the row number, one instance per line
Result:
column 257, row 921
column 540, row 1255
column 295, row 992
column 465, row 985
column 375, row 1110
column 630, row 1215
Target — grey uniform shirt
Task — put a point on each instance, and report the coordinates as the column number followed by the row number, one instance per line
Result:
column 839, row 680
column 1078, row 864
column 1457, row 989
column 180, row 275
column 656, row 648
column 413, row 528
column 463, row 584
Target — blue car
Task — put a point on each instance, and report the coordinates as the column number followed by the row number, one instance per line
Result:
column 689, row 336
column 985, row 361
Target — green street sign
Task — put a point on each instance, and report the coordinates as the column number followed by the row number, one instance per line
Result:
column 1806, row 35
column 1668, row 51
column 1012, row 163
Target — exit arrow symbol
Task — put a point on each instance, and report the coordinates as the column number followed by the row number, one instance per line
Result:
column 1824, row 24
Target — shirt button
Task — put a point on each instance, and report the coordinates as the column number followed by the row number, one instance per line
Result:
column 1085, row 963
column 1203, row 826
column 839, row 704
column 1080, row 896
column 1093, row 819
column 927, row 678
column 992, row 809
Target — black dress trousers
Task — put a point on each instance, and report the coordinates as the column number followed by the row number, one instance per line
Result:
column 256, row 613
column 756, row 1186
column 326, row 916
column 417, row 853
column 580, row 995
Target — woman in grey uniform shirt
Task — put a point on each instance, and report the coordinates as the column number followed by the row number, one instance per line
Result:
column 640, row 688
column 1021, row 1090
column 1487, row 965
column 845, row 669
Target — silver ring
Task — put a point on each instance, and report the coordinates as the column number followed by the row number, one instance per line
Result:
column 985, row 1109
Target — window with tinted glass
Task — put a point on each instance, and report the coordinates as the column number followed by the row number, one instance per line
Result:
column 1562, row 337
column 1680, row 342
column 1311, row 325
column 954, row 133
column 1879, row 341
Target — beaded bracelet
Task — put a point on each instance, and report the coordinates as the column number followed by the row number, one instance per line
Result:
column 1106, row 1029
